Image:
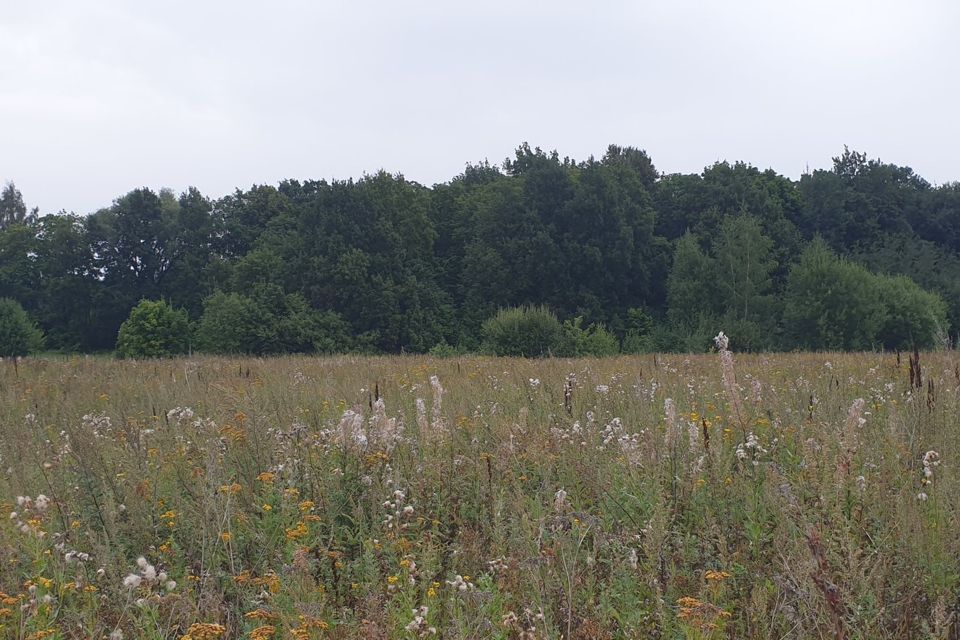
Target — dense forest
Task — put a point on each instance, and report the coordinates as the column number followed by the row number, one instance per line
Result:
column 865, row 255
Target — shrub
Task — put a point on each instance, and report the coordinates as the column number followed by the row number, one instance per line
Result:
column 913, row 317
column 831, row 304
column 443, row 349
column 19, row 335
column 594, row 341
column 230, row 324
column 269, row 321
column 523, row 331
column 154, row 330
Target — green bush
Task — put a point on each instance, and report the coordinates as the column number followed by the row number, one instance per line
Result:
column 831, row 304
column 230, row 324
column 154, row 330
column 19, row 336
column 530, row 332
column 593, row 341
column 443, row 349
column 913, row 318
column 269, row 321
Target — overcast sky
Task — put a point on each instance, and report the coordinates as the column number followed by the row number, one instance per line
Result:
column 100, row 97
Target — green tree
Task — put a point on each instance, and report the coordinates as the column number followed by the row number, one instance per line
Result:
column 233, row 324
column 595, row 341
column 268, row 322
column 19, row 335
column 744, row 270
column 12, row 208
column 691, row 288
column 154, row 330
column 912, row 317
column 831, row 304
column 19, row 272
column 530, row 332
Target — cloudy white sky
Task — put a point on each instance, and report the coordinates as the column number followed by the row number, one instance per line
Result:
column 100, row 97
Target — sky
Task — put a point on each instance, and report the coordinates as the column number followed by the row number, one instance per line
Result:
column 101, row 97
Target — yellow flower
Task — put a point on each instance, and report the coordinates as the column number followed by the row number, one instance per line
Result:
column 716, row 575
column 226, row 536
column 266, row 477
column 204, row 631
column 264, row 632
column 307, row 505
column 298, row 531
column 259, row 614
column 267, row 507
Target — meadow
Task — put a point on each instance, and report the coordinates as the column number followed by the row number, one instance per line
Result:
column 710, row 496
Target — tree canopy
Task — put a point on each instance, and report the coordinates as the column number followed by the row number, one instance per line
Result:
column 862, row 255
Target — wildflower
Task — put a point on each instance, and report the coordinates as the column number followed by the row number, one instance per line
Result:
column 266, row 477
column 259, row 614
column 670, row 413
column 560, row 503
column 298, row 531
column 716, row 576
column 422, row 416
column 132, row 581
column 204, row 631
column 419, row 624
column 721, row 341
column 498, row 565
column 350, row 431
column 264, row 632
column 931, row 459
column 461, row 583
column 306, row 505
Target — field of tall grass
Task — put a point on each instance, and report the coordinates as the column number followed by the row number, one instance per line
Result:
column 713, row 496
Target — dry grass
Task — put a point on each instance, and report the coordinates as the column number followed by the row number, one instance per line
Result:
column 509, row 512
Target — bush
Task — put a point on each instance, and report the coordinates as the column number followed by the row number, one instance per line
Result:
column 831, row 304
column 593, row 341
column 230, row 324
column 443, row 349
column 19, row 335
column 530, row 332
column 913, row 318
column 269, row 321
column 154, row 330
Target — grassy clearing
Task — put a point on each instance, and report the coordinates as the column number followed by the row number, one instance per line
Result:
column 616, row 498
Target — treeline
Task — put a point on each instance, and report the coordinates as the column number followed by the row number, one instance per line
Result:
column 865, row 255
